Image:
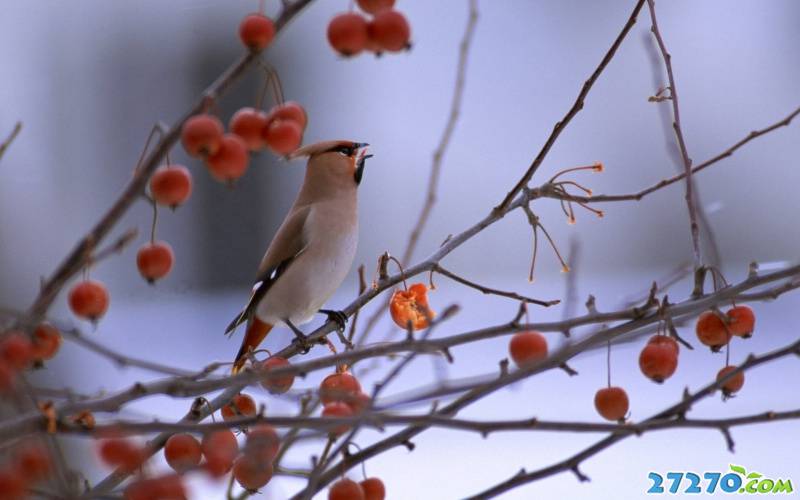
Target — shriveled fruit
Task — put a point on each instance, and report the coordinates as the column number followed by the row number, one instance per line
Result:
column 658, row 361
column 734, row 384
column 742, row 321
column 611, row 403
column 390, row 31
column 182, row 452
column 155, row 260
column 241, row 405
column 201, row 135
column 231, row 160
column 712, row 331
column 346, row 489
column 248, row 123
column 256, row 31
column 526, row 348
column 171, row 185
column 277, row 385
column 411, row 306
column 89, row 299
column 347, row 33
column 339, row 387
column 373, row 489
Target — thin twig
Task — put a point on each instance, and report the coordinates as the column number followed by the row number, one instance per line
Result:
column 13, row 135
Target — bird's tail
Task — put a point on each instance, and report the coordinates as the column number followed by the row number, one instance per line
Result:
column 256, row 332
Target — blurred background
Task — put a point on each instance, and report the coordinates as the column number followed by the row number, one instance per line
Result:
column 90, row 78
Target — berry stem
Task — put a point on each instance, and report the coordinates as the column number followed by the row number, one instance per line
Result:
column 155, row 221
column 608, row 362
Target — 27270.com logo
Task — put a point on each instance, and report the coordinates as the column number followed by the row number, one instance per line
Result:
column 736, row 481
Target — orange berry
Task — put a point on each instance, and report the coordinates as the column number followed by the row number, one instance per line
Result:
column 160, row 488
column 373, row 489
column 658, row 361
column 248, row 124
column 611, row 403
column 346, row 489
column 277, row 385
column 220, row 449
column 202, row 135
column 712, row 331
column 182, row 452
column 117, row 452
column 742, row 321
column 290, row 110
column 283, row 136
column 411, row 305
column 251, row 473
column 89, row 299
column 665, row 340
column 12, row 485
column 337, row 410
column 171, row 185
column 374, row 6
column 154, row 260
column 46, row 342
column 347, row 33
column 358, row 403
column 16, row 351
column 262, row 443
column 339, row 387
column 231, row 160
column 526, row 348
column 256, row 31
column 241, row 405
column 390, row 31
column 734, row 384
column 33, row 462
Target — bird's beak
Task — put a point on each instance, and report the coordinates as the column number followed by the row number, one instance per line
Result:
column 359, row 145
column 362, row 161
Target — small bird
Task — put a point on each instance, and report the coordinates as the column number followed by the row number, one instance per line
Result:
column 313, row 250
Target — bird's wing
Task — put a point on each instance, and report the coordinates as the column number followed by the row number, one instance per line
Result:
column 289, row 242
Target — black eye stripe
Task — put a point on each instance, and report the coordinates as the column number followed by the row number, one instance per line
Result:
column 345, row 150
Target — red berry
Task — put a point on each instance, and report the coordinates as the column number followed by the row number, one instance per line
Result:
column 742, row 321
column 182, row 452
column 290, row 110
column 658, row 361
column 161, row 488
column 117, row 452
column 734, row 384
column 46, row 342
column 252, row 473
column 277, row 385
column 611, row 403
column 346, row 489
column 171, row 185
column 16, row 351
column 374, row 6
column 154, row 260
column 12, row 485
column 231, row 159
column 712, row 331
column 665, row 340
column 89, row 299
column 283, row 136
column 220, row 449
column 248, row 123
column 347, row 33
column 256, row 31
column 390, row 31
column 201, row 135
column 241, row 405
column 339, row 387
column 358, row 403
column 262, row 443
column 526, row 348
column 33, row 462
column 338, row 410
column 373, row 489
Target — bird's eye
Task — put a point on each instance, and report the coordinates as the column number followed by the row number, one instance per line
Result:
column 345, row 150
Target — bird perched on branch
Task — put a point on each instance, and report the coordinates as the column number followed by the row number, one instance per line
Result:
column 313, row 250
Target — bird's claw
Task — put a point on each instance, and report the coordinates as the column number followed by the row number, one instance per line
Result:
column 301, row 344
column 338, row 316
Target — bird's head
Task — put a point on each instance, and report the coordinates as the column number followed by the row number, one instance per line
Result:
column 337, row 162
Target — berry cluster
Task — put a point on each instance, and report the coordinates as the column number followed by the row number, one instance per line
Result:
column 342, row 397
column 350, row 33
column 28, row 465
column 370, row 488
column 18, row 352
